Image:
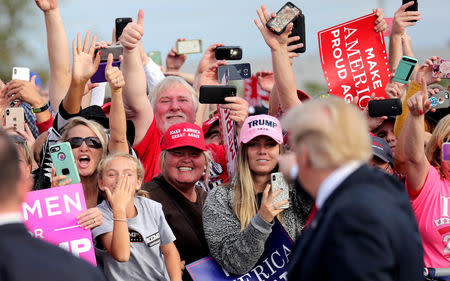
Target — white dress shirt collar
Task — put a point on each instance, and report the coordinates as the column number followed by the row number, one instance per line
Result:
column 8, row 218
column 332, row 182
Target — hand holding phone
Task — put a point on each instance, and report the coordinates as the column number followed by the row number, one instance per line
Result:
column 240, row 71
column 116, row 50
column 120, row 24
column 440, row 100
column 441, row 69
column 279, row 183
column 216, row 94
column 405, row 69
column 299, row 30
column 20, row 73
column 15, row 117
column 287, row 14
column 64, row 161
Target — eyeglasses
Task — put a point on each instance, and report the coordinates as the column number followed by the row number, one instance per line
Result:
column 92, row 142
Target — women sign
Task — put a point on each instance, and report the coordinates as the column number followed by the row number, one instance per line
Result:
column 50, row 214
column 354, row 60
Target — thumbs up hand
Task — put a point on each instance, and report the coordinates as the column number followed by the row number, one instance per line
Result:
column 133, row 32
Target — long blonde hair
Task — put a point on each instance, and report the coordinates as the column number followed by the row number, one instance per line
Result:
column 245, row 205
column 434, row 147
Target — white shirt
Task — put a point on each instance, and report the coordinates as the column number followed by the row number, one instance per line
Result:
column 153, row 73
column 332, row 182
column 8, row 218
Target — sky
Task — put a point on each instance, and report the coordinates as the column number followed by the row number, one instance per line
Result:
column 229, row 22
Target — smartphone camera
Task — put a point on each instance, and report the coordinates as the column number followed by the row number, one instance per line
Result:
column 15, row 71
column 7, row 112
column 228, row 53
column 54, row 149
column 61, row 156
column 274, row 177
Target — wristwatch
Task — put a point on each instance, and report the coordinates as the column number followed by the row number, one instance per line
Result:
column 40, row 109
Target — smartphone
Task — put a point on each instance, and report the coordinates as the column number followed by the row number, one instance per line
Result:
column 99, row 76
column 240, row 71
column 387, row 107
column 216, row 94
column 156, row 57
column 21, row 73
column 189, row 47
column 441, row 69
column 446, row 151
column 120, row 25
column 440, row 100
column 287, row 14
column 116, row 50
column 64, row 162
column 228, row 53
column 413, row 8
column 405, row 69
column 299, row 30
column 15, row 117
column 278, row 182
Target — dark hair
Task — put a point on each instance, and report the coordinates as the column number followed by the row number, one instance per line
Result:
column 9, row 167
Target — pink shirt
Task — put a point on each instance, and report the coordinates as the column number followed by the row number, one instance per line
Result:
column 432, row 209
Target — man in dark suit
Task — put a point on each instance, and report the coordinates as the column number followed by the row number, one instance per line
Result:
column 23, row 257
column 364, row 228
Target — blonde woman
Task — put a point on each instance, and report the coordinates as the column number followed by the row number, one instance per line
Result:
column 238, row 218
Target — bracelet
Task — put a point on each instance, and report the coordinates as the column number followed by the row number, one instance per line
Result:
column 119, row 219
column 40, row 109
column 118, row 91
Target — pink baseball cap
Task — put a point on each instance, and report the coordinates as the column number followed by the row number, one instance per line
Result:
column 261, row 125
column 183, row 134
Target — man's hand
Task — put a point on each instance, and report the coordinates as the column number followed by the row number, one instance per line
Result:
column 275, row 42
column 133, row 32
column 26, row 91
column 84, row 63
column 209, row 77
column 380, row 22
column 403, row 19
column 208, row 58
column 239, row 109
column 47, row 5
column 173, row 61
column 265, row 80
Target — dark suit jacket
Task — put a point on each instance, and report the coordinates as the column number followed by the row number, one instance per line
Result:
column 23, row 257
column 366, row 230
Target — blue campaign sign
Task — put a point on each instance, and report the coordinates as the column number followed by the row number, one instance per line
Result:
column 271, row 266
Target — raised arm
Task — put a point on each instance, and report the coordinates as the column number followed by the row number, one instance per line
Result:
column 117, row 120
column 58, row 52
column 137, row 106
column 84, row 66
column 417, row 165
column 283, row 73
column 402, row 20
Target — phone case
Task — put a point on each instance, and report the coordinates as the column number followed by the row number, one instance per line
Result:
column 387, row 107
column 189, row 47
column 15, row 117
column 228, row 53
column 21, row 73
column 278, row 182
column 64, row 162
column 405, row 69
column 446, row 151
column 440, row 100
column 121, row 23
column 299, row 30
column 240, row 71
column 116, row 50
column 99, row 76
column 214, row 94
column 156, row 57
column 287, row 14
column 441, row 69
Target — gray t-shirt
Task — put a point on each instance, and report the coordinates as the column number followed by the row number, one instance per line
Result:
column 148, row 231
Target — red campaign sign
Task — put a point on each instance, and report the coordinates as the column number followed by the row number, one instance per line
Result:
column 253, row 93
column 354, row 60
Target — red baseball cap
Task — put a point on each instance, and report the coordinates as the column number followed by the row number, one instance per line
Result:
column 302, row 96
column 183, row 134
column 209, row 123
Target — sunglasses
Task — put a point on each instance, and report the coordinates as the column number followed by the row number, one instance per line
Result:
column 92, row 142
